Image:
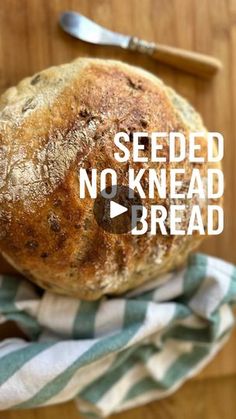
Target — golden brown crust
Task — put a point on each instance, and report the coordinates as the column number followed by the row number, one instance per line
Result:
column 51, row 125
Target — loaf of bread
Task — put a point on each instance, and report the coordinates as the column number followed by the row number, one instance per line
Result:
column 56, row 122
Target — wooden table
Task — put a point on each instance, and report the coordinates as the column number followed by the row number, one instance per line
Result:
column 31, row 40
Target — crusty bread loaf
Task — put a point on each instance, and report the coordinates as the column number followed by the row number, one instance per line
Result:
column 54, row 123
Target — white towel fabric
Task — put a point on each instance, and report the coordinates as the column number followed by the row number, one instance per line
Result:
column 118, row 352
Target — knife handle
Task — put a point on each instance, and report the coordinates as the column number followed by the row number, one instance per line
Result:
column 191, row 62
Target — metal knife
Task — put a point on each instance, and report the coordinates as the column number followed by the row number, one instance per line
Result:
column 86, row 30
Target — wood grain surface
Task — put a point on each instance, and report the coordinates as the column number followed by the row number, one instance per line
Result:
column 30, row 40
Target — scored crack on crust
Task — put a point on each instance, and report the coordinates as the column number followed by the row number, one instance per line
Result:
column 58, row 121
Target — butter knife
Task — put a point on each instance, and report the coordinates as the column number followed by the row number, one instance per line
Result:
column 87, row 30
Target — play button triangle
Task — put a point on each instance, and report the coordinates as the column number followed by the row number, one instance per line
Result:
column 116, row 209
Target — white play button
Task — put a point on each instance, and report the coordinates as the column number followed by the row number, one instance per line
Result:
column 116, row 209
column 114, row 214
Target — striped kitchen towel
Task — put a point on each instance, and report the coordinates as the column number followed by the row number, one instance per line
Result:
column 118, row 352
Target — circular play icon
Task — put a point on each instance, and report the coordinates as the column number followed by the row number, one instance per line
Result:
column 113, row 209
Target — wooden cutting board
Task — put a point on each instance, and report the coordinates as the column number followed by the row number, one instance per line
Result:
column 31, row 40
